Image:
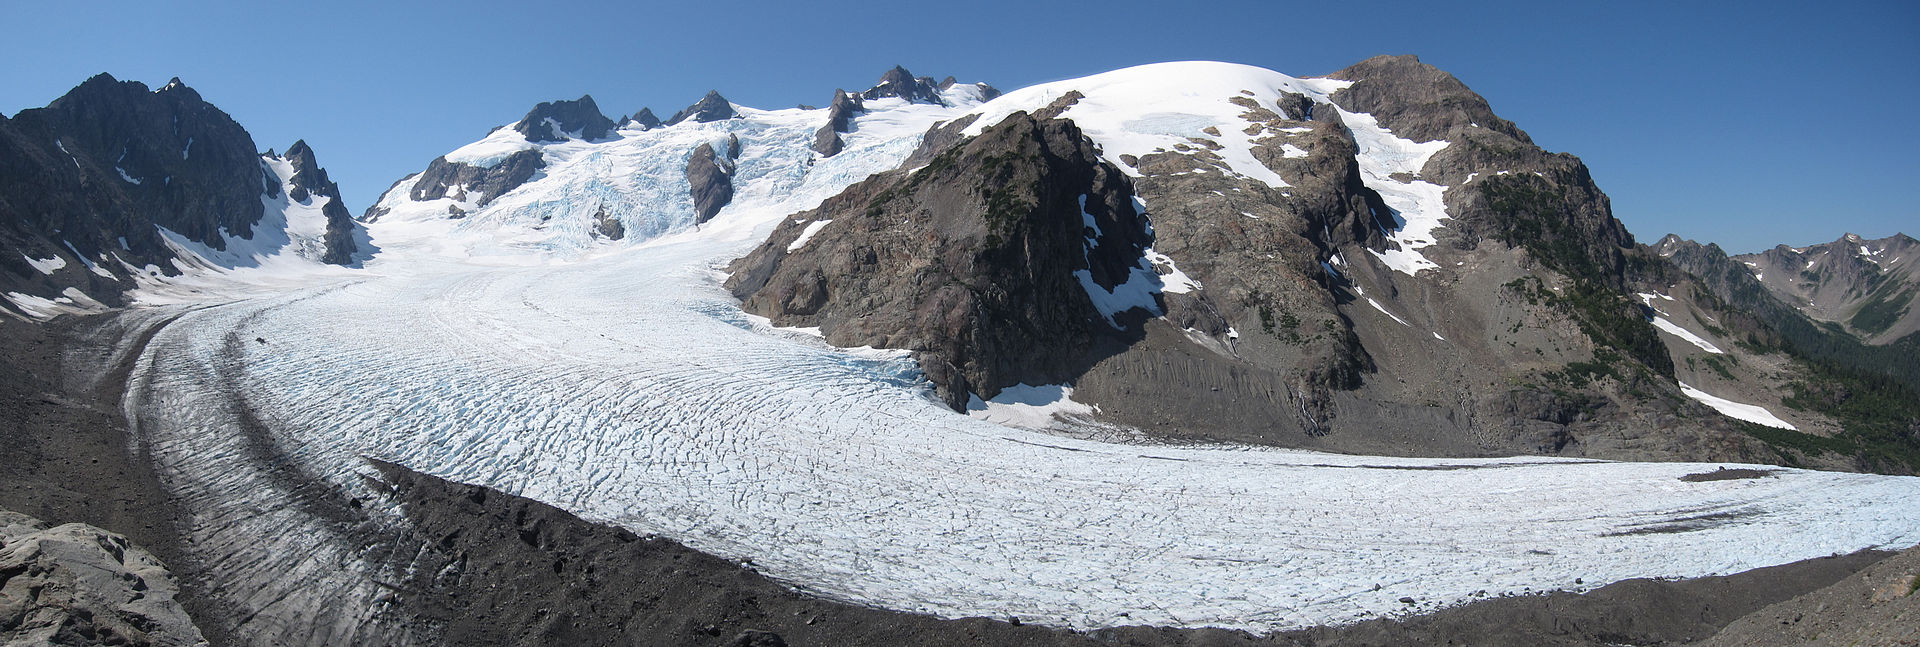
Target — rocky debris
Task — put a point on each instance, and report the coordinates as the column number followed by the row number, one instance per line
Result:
column 827, row 141
column 969, row 261
column 108, row 162
column 643, row 120
column 1879, row 605
column 712, row 107
column 75, row 584
column 1629, row 612
column 309, row 180
column 711, row 179
column 467, row 183
column 752, row 638
column 898, row 82
column 558, row 121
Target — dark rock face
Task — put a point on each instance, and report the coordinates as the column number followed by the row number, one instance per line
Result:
column 608, row 227
column 712, row 107
column 108, row 162
column 309, row 180
column 644, row 118
column 65, row 164
column 711, row 180
column 969, row 262
column 826, row 141
column 898, row 82
column 464, row 180
column 1416, row 100
column 557, row 121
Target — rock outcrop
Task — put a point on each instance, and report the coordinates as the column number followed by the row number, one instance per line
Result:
column 86, row 183
column 710, row 178
column 75, row 584
column 970, row 262
column 468, row 183
column 710, row 108
column 644, row 119
column 309, row 181
column 898, row 82
column 840, row 113
column 558, row 121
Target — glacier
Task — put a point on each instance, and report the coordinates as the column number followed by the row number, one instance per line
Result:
column 620, row 382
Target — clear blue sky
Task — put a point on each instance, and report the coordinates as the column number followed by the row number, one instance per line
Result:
column 1745, row 124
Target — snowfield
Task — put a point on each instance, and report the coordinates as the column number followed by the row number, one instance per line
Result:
column 623, row 384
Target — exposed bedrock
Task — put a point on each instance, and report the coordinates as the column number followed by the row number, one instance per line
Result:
column 75, row 584
column 711, row 180
column 309, row 180
column 709, row 108
column 468, row 183
column 969, row 261
column 558, row 121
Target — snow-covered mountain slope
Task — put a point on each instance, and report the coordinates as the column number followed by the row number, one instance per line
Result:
column 1168, row 107
column 636, row 177
column 618, row 380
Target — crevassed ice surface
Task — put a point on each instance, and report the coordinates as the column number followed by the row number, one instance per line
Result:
column 626, row 386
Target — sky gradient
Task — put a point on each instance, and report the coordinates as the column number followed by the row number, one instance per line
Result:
column 1751, row 125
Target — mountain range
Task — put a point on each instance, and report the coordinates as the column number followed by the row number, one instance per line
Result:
column 803, row 337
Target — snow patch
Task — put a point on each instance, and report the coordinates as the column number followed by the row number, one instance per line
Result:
column 807, row 234
column 1141, row 110
column 1029, row 407
column 46, row 266
column 493, row 149
column 1674, row 329
column 1751, row 413
column 1417, row 207
column 1173, row 280
column 1383, row 310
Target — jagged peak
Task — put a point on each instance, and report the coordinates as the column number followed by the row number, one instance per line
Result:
column 898, row 82
column 580, row 117
column 711, row 107
column 301, row 155
column 102, row 78
column 644, row 117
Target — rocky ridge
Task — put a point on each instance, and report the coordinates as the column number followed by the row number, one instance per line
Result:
column 562, row 120
column 710, row 176
column 709, row 108
column 969, row 262
column 1869, row 287
column 87, row 183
